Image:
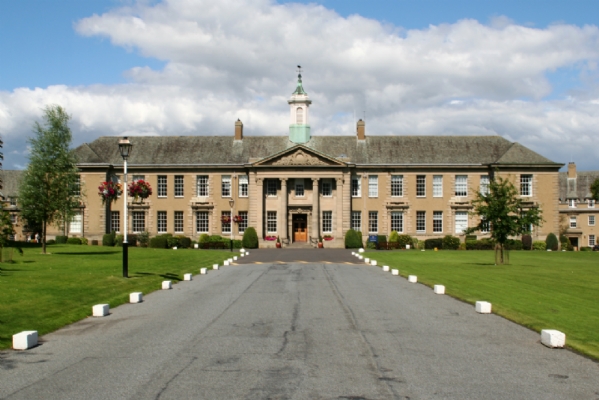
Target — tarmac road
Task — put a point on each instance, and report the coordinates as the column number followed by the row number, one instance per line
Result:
column 291, row 330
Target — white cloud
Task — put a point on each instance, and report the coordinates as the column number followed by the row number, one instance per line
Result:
column 235, row 58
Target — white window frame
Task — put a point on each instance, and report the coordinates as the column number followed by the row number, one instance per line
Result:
column 420, row 221
column 461, row 185
column 327, row 222
column 356, row 220
column 591, row 220
column 179, row 186
column 135, row 178
column 373, row 186
column 327, row 188
column 243, row 185
column 573, row 221
column 526, row 185
column 485, row 225
column 225, row 227
column 77, row 186
column 592, row 241
column 461, row 222
column 420, row 185
column 243, row 225
column 202, row 185
column 179, row 222
column 485, row 181
column 76, row 223
column 161, row 222
column 373, row 221
column 396, row 185
column 437, row 185
column 591, row 203
column 225, row 186
column 115, row 221
column 300, row 189
column 12, row 201
column 437, row 221
column 202, row 221
column 397, row 221
column 356, row 186
column 271, row 187
column 572, row 203
column 138, row 221
column 162, row 190
column 271, row 222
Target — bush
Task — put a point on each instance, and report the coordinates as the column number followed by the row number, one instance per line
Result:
column 158, row 242
column 204, row 238
column 371, row 245
column 109, row 239
column 586, row 248
column 144, row 238
column 551, row 242
column 94, row 242
column 462, row 246
column 353, row 240
column 483, row 244
column 451, row 243
column 172, row 241
column 250, row 238
column 118, row 240
column 237, row 244
column 61, row 239
column 216, row 239
column 184, row 242
column 84, row 241
column 404, row 240
column 512, row 244
column 526, row 242
column 51, row 241
column 381, row 239
column 430, row 244
column 73, row 240
column 470, row 237
column 393, row 237
column 539, row 245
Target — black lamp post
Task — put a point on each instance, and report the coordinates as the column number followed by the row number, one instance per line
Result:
column 231, row 203
column 125, row 148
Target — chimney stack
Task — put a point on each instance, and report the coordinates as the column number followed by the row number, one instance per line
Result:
column 361, row 130
column 571, row 170
column 238, row 130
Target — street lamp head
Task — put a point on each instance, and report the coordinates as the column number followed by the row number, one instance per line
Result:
column 231, row 203
column 125, row 147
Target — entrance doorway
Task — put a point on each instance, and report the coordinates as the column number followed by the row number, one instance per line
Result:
column 300, row 227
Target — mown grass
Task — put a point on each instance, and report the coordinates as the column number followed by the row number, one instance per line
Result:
column 46, row 292
column 540, row 290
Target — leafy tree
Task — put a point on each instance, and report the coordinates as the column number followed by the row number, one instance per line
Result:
column 595, row 189
column 503, row 214
column 6, row 230
column 46, row 194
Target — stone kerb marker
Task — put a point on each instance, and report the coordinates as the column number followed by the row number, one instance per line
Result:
column 234, row 258
column 135, row 297
column 226, row 263
column 187, row 277
column 167, row 285
column 100, row 310
column 373, row 262
column 395, row 272
column 203, row 271
column 361, row 250
column 24, row 340
column 385, row 268
column 439, row 289
column 215, row 266
column 483, row 307
column 367, row 260
column 412, row 278
column 552, row 338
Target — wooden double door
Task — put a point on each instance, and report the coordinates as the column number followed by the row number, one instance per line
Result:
column 299, row 224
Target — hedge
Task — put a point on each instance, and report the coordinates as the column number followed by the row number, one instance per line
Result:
column 433, row 243
column 158, row 242
column 61, row 239
column 483, row 244
column 73, row 240
column 539, row 245
column 404, row 240
column 108, row 239
column 451, row 243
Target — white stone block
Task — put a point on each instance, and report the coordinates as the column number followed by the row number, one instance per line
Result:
column 395, row 272
column 235, row 258
column 24, row 340
column 439, row 289
column 553, row 338
column 242, row 250
column 385, row 268
column 407, row 247
column 367, row 260
column 226, row 263
column 135, row 297
column 100, row 310
column 353, row 253
column 187, row 277
column 196, row 246
column 361, row 250
column 412, row 278
column 242, row 255
column 247, row 253
column 373, row 262
column 230, row 260
column 167, row 285
column 483, row 307
column 175, row 248
column 203, row 271
column 361, row 257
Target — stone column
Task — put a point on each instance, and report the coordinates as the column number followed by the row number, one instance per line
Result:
column 339, row 211
column 315, row 230
column 260, row 208
column 283, row 210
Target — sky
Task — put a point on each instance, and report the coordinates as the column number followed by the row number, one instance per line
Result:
column 524, row 70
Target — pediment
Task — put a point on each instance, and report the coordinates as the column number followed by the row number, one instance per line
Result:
column 299, row 156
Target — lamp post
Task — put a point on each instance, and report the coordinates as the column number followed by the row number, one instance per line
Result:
column 231, row 204
column 125, row 148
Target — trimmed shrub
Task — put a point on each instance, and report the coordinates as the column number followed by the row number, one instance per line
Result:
column 393, row 237
column 586, row 248
column 451, row 243
column 118, row 240
column 237, row 244
column 352, row 239
column 512, row 244
column 404, row 240
column 381, row 239
column 73, row 240
column 84, row 241
column 430, row 244
column 483, row 244
column 51, row 241
column 184, row 242
column 109, row 239
column 462, row 246
column 158, row 242
column 250, row 238
column 526, row 242
column 144, row 239
column 61, row 239
column 371, row 245
column 551, row 242
column 204, row 238
column 94, row 242
column 172, row 241
column 216, row 239
column 539, row 245
column 471, row 237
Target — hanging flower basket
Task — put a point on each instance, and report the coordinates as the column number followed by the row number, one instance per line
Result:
column 225, row 219
column 139, row 189
column 270, row 238
column 109, row 191
column 328, row 237
column 237, row 219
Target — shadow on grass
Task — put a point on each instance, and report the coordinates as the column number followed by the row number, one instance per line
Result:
column 86, row 253
column 485, row 264
column 168, row 275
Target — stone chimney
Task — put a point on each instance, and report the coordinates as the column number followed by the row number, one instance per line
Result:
column 238, row 130
column 571, row 170
column 361, row 130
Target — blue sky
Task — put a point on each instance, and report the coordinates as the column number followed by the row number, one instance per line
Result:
column 545, row 96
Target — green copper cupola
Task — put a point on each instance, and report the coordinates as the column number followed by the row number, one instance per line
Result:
column 299, row 130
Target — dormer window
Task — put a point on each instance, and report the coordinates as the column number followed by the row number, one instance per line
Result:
column 591, row 203
column 572, row 203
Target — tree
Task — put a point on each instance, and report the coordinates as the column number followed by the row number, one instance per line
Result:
column 595, row 189
column 6, row 230
column 46, row 194
column 503, row 214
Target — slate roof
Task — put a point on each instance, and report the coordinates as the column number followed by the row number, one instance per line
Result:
column 10, row 182
column 379, row 150
column 576, row 188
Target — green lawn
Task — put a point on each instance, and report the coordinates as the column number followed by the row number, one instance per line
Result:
column 540, row 290
column 45, row 292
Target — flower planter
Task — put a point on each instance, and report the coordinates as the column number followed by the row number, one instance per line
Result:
column 278, row 245
column 320, row 246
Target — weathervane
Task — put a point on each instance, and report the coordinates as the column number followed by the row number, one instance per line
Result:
column 299, row 69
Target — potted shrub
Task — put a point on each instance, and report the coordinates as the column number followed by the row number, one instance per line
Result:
column 278, row 243
column 320, row 246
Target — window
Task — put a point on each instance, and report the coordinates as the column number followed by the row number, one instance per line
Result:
column 136, row 178
column 271, row 187
column 202, row 222
column 299, row 116
column 591, row 203
column 591, row 220
column 271, row 222
column 437, row 221
column 299, row 187
column 373, row 185
column 178, row 185
column 572, row 203
column 13, row 218
column 396, row 185
column 202, row 185
column 77, row 186
column 461, row 185
column 461, row 221
column 484, row 185
column 356, row 220
column 327, row 188
column 76, row 226
column 591, row 240
column 397, row 221
column 420, row 185
column 243, row 224
column 179, row 222
column 437, row 185
column 420, row 221
column 356, row 186
column 225, row 226
column 525, row 185
column 139, row 221
column 115, row 221
column 373, row 221
column 572, row 222
column 162, row 182
column 485, row 226
column 243, row 186
column 226, row 185
column 161, row 222
column 12, row 201
column 327, row 221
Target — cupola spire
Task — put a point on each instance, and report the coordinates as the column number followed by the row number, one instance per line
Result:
column 299, row 130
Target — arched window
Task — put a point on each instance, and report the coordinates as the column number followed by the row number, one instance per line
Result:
column 299, row 116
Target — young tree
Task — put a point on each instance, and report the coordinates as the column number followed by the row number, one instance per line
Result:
column 6, row 230
column 46, row 193
column 503, row 214
column 595, row 189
